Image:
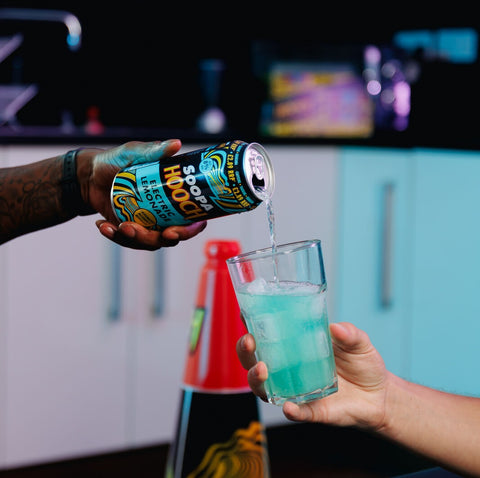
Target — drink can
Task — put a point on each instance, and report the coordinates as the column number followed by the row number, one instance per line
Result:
column 228, row 178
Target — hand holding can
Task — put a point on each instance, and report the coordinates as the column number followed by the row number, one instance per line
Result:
column 229, row 178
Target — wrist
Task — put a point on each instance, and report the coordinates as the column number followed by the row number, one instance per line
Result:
column 76, row 173
column 396, row 395
column 85, row 159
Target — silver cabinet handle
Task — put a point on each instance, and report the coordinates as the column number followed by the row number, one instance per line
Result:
column 158, row 300
column 114, row 306
column 386, row 267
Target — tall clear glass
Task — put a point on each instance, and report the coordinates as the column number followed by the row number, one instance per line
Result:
column 282, row 296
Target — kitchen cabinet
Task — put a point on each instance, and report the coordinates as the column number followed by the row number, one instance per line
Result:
column 93, row 337
column 445, row 326
column 64, row 361
column 3, row 343
column 374, row 253
column 407, row 260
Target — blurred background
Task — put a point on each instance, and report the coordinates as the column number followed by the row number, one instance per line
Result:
column 148, row 66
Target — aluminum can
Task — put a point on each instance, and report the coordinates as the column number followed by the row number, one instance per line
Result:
column 229, row 178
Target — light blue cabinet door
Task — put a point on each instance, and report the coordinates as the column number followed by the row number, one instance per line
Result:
column 446, row 274
column 373, row 289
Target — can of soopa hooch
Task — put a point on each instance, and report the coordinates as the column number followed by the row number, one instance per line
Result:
column 229, row 178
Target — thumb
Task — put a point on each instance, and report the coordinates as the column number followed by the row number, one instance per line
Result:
column 349, row 338
column 136, row 152
column 153, row 151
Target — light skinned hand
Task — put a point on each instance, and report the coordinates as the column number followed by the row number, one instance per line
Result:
column 362, row 377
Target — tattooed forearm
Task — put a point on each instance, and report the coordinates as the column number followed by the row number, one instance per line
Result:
column 30, row 198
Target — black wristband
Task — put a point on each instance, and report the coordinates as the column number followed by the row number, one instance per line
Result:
column 72, row 200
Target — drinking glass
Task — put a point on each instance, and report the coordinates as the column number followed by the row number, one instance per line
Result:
column 281, row 292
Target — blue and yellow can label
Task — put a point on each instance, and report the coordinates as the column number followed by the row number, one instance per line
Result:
column 186, row 188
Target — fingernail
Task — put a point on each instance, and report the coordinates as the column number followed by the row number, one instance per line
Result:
column 105, row 229
column 164, row 145
column 255, row 371
column 127, row 230
column 173, row 236
column 243, row 343
column 108, row 230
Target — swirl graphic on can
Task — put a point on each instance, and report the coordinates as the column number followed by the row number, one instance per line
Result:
column 229, row 178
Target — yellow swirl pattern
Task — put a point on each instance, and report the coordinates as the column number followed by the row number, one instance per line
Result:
column 243, row 456
column 125, row 198
column 223, row 195
column 216, row 182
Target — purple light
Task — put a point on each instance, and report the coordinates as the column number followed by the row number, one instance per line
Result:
column 401, row 105
column 374, row 87
column 372, row 54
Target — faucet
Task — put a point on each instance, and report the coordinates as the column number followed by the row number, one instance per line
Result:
column 74, row 37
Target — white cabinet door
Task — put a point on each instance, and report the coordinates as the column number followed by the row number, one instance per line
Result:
column 65, row 360
column 305, row 201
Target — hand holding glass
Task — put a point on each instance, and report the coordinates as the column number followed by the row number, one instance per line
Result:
column 282, row 296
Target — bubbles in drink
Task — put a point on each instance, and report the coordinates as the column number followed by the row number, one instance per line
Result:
column 261, row 286
column 266, row 328
column 322, row 343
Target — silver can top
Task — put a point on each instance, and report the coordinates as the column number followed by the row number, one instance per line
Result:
column 259, row 171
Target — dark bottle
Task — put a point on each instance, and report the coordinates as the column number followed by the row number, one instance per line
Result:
column 219, row 432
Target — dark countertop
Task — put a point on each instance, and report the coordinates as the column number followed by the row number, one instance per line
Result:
column 23, row 135
column 296, row 450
